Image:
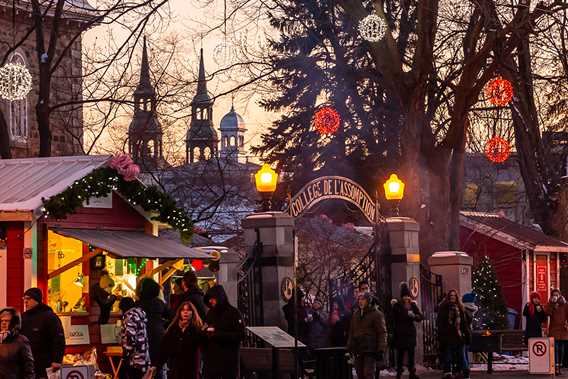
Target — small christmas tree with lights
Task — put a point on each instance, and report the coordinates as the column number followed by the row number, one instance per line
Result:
column 493, row 311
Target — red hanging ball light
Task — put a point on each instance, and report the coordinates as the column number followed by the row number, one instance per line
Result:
column 326, row 120
column 499, row 91
column 497, row 150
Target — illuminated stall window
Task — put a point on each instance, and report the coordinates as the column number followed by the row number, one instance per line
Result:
column 67, row 289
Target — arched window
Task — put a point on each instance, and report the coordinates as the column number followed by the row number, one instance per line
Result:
column 207, row 153
column 232, row 141
column 196, row 154
column 241, row 141
column 19, row 110
column 150, row 148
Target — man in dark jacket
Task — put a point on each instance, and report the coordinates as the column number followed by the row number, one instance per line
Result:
column 367, row 337
column 43, row 329
column 225, row 330
column 405, row 314
column 192, row 293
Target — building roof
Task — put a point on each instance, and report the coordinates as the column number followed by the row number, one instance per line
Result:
column 145, row 88
column 514, row 234
column 132, row 244
column 232, row 121
column 24, row 182
column 202, row 96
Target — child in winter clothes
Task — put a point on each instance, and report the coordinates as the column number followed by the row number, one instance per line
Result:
column 405, row 314
column 535, row 316
column 134, row 339
column 557, row 309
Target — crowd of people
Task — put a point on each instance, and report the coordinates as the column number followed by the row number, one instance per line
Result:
column 197, row 335
column 362, row 328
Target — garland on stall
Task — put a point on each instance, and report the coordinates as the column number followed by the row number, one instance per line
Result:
column 102, row 181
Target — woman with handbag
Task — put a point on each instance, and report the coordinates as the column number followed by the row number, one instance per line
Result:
column 557, row 309
column 181, row 345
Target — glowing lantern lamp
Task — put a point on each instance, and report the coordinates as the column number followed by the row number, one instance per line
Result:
column 266, row 179
column 394, row 190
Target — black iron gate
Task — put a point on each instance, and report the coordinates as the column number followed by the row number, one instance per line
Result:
column 432, row 293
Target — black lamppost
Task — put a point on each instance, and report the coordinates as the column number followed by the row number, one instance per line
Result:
column 394, row 191
column 266, row 179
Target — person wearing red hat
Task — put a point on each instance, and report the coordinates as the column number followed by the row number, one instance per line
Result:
column 535, row 317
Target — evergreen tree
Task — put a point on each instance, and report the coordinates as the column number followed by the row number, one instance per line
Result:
column 320, row 58
column 493, row 311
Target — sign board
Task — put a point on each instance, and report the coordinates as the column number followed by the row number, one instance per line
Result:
column 332, row 187
column 541, row 356
column 99, row 202
column 274, row 336
column 414, row 286
column 75, row 334
column 541, row 280
column 286, row 288
column 77, row 372
column 110, row 334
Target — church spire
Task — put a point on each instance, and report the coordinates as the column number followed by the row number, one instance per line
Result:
column 144, row 87
column 202, row 95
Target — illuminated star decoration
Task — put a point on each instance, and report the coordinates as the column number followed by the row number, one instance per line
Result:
column 372, row 28
column 15, row 82
column 326, row 120
column 497, row 150
column 499, row 91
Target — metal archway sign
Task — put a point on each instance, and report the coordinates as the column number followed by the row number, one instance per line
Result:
column 333, row 187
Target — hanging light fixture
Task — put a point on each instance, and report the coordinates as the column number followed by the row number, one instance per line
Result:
column 372, row 28
column 15, row 81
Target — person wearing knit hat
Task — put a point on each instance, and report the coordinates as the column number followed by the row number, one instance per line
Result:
column 557, row 310
column 44, row 330
column 535, row 317
column 405, row 316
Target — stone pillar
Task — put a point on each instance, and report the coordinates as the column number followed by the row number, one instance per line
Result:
column 275, row 231
column 455, row 269
column 405, row 266
column 228, row 274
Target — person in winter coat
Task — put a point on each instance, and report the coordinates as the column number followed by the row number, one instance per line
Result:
column 101, row 293
column 16, row 360
column 454, row 334
column 134, row 339
column 318, row 326
column 367, row 337
column 470, row 309
column 535, row 316
column 158, row 316
column 182, row 344
column 225, row 329
column 405, row 315
column 43, row 329
column 192, row 292
column 557, row 309
column 340, row 319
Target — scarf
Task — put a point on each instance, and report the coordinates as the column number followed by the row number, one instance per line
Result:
column 4, row 336
column 455, row 318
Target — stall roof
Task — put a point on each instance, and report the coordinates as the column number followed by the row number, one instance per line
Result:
column 24, row 182
column 129, row 244
column 517, row 235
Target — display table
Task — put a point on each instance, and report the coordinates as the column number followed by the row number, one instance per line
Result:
column 113, row 352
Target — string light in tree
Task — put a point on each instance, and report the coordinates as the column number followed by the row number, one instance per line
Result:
column 15, row 82
column 326, row 120
column 499, row 91
column 497, row 150
column 372, row 28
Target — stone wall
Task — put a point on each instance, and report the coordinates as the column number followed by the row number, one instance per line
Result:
column 66, row 123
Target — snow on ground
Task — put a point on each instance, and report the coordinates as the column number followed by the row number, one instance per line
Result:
column 503, row 362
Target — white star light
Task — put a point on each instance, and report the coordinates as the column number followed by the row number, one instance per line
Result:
column 15, row 82
column 372, row 28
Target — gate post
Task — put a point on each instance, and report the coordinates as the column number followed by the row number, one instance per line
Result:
column 455, row 269
column 405, row 265
column 274, row 231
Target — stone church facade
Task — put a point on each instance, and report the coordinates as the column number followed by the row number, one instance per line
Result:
column 66, row 85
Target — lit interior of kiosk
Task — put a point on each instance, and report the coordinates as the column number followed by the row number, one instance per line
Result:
column 72, row 264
